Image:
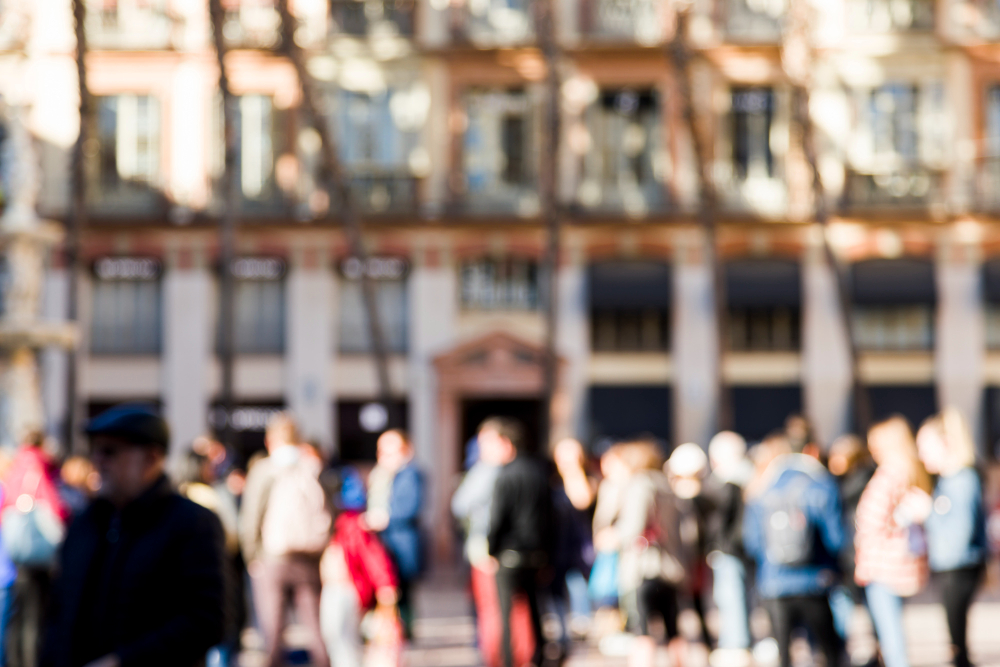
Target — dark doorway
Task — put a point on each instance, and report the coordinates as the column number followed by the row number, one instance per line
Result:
column 528, row 411
column 358, row 434
column 913, row 402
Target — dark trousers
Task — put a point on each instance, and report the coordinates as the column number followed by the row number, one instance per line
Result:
column 958, row 588
column 295, row 577
column 812, row 612
column 31, row 597
column 510, row 582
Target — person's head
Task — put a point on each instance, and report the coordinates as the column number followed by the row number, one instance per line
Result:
column 612, row 466
column 726, row 450
column 774, row 445
column 798, row 432
column 686, row 467
column 128, row 446
column 945, row 444
column 641, row 455
column 78, row 472
column 34, row 438
column 196, row 469
column 281, row 431
column 891, row 444
column 501, row 439
column 394, row 449
column 846, row 454
column 568, row 455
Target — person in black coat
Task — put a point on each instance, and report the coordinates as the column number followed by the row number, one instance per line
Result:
column 141, row 570
column 522, row 535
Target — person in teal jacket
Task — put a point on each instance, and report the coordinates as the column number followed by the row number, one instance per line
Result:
column 956, row 525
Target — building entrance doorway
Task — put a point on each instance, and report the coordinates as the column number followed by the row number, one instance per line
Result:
column 526, row 411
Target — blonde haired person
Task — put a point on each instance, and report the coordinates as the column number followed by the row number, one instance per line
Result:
column 956, row 527
column 891, row 563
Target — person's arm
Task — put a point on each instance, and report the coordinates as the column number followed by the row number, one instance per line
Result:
column 252, row 510
column 406, row 498
column 197, row 624
column 470, row 493
column 499, row 515
column 753, row 542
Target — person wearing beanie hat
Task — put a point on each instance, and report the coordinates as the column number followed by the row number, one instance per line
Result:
column 141, row 570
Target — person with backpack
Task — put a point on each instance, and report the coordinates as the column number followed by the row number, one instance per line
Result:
column 792, row 529
column 284, row 528
column 654, row 562
column 891, row 561
column 33, row 517
column 956, row 528
column 358, row 575
column 395, row 500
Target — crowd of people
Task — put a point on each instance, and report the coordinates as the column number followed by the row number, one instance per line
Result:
column 106, row 562
column 805, row 534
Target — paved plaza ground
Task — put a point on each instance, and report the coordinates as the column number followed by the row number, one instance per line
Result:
column 445, row 634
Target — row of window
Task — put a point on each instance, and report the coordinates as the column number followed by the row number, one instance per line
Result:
column 630, row 305
column 897, row 153
column 254, row 23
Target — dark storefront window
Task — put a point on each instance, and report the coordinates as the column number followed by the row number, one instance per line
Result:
column 630, row 306
column 894, row 304
column 916, row 403
column 618, row 412
column 359, row 424
column 764, row 305
column 991, row 297
column 757, row 411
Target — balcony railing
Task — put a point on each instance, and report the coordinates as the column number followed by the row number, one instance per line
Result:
column 126, row 199
column 907, row 187
column 891, row 15
column 385, row 193
column 494, row 22
column 363, row 17
column 757, row 21
column 637, row 21
column 129, row 24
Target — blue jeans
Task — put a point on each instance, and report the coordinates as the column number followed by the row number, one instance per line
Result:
column 842, row 606
column 887, row 614
column 729, row 591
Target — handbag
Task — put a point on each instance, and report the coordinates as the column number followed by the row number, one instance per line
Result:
column 603, row 584
column 31, row 531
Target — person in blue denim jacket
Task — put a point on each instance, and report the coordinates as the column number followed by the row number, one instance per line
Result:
column 956, row 526
column 794, row 576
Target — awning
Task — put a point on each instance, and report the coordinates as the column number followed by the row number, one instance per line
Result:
column 763, row 283
column 624, row 284
column 893, row 282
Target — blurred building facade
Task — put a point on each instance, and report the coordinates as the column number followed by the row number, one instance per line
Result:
column 437, row 105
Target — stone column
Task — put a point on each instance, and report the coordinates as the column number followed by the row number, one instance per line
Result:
column 187, row 346
column 433, row 302
column 573, row 345
column 826, row 355
column 960, row 349
column 695, row 343
column 309, row 331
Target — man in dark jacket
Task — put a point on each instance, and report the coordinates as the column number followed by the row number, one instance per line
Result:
column 141, row 580
column 521, row 526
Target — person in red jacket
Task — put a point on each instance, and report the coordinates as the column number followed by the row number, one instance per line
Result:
column 32, row 481
column 357, row 575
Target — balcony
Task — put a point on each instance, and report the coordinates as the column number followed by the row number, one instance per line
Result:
column 360, row 18
column 126, row 199
column 988, row 185
column 252, row 25
column 128, row 24
column 622, row 21
column 384, row 193
column 891, row 16
column 494, row 23
column 909, row 187
column 754, row 21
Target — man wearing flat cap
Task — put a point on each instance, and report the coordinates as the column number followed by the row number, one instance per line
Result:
column 141, row 575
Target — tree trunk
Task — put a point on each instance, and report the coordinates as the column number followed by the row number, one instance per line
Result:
column 682, row 56
column 338, row 184
column 76, row 222
column 548, row 171
column 227, row 227
column 797, row 51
